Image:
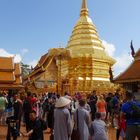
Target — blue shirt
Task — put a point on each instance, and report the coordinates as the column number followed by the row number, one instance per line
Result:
column 126, row 108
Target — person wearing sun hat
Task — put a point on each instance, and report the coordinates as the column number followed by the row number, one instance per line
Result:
column 62, row 120
column 62, row 102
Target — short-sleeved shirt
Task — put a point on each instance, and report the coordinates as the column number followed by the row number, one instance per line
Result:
column 126, row 108
column 37, row 130
column 101, row 106
column 98, row 128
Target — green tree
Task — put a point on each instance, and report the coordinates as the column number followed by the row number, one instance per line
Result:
column 25, row 69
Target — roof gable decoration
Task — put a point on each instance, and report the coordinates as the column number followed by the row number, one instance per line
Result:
column 60, row 53
column 41, row 61
column 132, row 73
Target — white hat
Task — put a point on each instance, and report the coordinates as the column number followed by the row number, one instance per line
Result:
column 62, row 101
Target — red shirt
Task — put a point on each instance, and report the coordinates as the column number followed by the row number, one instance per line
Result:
column 101, row 106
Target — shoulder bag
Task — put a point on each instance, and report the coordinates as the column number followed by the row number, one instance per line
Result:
column 75, row 133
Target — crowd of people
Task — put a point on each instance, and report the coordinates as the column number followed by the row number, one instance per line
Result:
column 91, row 115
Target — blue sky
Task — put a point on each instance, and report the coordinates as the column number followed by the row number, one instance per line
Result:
column 28, row 28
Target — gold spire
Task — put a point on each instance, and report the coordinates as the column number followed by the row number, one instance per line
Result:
column 84, row 10
column 84, row 5
column 84, row 33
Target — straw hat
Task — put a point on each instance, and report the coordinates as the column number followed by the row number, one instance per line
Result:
column 62, row 102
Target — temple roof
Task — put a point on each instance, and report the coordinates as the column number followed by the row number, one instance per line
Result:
column 6, row 64
column 38, row 69
column 17, row 69
column 137, row 55
column 7, row 77
column 45, row 61
column 132, row 73
column 10, row 86
column 10, row 73
column 41, row 61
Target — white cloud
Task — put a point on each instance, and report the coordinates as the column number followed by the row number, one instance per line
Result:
column 24, row 51
column 33, row 63
column 17, row 58
column 123, row 61
column 109, row 48
column 4, row 53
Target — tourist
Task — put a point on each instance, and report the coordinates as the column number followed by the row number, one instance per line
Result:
column 35, row 128
column 34, row 102
column 17, row 106
column 98, row 128
column 27, row 108
column 116, row 124
column 92, row 102
column 50, row 114
column 83, row 120
column 9, row 107
column 62, row 120
column 87, row 107
column 116, row 102
column 131, row 111
column 3, row 103
column 101, row 107
column 108, row 107
column 123, row 128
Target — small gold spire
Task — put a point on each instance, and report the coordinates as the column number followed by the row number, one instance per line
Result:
column 84, row 5
column 84, row 10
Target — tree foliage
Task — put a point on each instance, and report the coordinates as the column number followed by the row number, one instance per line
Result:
column 25, row 69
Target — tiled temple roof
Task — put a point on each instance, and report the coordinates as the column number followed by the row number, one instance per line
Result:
column 10, row 73
column 132, row 73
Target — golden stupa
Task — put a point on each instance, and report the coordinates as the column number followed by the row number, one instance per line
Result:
column 89, row 65
column 83, row 65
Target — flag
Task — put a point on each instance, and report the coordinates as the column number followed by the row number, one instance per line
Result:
column 132, row 49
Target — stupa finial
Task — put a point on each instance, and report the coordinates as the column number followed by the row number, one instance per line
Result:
column 84, row 5
column 84, row 10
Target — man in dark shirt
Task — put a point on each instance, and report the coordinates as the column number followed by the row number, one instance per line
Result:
column 36, row 131
column 92, row 102
column 17, row 106
column 27, row 108
column 109, row 106
column 132, row 123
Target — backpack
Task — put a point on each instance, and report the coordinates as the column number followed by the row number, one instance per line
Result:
column 43, row 124
column 135, row 111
